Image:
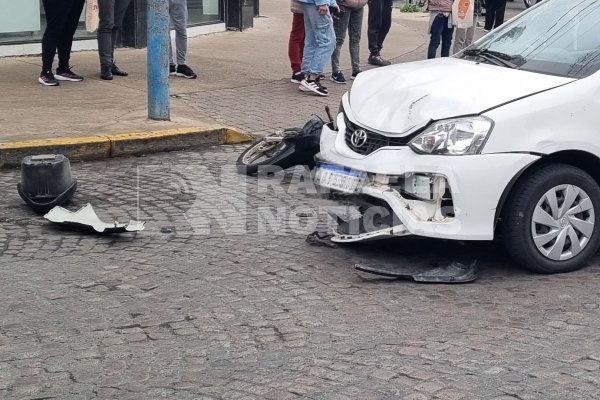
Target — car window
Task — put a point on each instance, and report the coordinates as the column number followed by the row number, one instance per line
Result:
column 558, row 37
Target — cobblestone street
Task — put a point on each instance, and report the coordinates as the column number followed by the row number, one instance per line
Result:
column 220, row 297
column 189, row 310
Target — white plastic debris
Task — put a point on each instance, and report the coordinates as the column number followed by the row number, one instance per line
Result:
column 86, row 218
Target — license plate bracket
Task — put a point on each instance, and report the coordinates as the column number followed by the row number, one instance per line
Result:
column 340, row 178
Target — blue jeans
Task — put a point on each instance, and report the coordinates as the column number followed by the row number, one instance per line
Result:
column 440, row 32
column 319, row 40
column 350, row 20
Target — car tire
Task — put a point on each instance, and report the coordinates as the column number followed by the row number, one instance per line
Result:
column 568, row 239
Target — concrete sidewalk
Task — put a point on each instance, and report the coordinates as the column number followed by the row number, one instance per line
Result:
column 79, row 118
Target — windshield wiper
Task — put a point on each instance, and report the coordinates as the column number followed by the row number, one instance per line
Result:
column 495, row 57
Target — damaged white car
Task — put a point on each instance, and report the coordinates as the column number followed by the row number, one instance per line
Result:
column 500, row 140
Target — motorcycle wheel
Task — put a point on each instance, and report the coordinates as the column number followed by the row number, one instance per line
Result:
column 263, row 153
column 529, row 3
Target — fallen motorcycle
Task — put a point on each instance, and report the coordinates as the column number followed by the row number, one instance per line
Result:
column 529, row 3
column 284, row 148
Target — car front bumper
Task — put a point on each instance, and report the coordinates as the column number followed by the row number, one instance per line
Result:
column 476, row 184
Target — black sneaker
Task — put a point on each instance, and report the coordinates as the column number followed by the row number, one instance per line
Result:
column 116, row 71
column 297, row 77
column 67, row 75
column 185, row 71
column 338, row 77
column 314, row 86
column 47, row 78
column 355, row 73
column 172, row 69
column 106, row 74
column 376, row 59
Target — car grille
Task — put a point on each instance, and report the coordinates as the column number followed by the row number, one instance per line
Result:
column 369, row 141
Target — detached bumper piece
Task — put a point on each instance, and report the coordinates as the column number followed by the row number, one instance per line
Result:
column 454, row 272
column 86, row 219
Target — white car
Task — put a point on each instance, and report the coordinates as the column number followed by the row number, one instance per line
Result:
column 500, row 140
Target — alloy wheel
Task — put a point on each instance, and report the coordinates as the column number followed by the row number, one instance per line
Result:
column 563, row 222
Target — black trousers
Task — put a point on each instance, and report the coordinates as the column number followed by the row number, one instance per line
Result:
column 111, row 14
column 380, row 20
column 62, row 18
column 494, row 13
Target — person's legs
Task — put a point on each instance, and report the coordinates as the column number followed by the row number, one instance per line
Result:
column 374, row 25
column 319, row 45
column 309, row 39
column 296, row 43
column 179, row 16
column 463, row 38
column 446, row 38
column 73, row 12
column 460, row 38
column 121, row 7
column 436, row 30
column 386, row 22
column 354, row 32
column 500, row 10
column 340, row 27
column 325, row 43
column 490, row 14
column 55, row 24
column 106, row 12
column 380, row 14
column 471, row 32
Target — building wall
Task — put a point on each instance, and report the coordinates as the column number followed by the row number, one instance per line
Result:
column 22, row 24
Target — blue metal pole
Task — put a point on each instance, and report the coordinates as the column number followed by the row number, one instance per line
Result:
column 158, row 59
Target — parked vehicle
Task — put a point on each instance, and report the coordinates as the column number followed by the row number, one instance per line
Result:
column 500, row 140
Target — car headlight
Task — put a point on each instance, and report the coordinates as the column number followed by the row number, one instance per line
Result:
column 454, row 137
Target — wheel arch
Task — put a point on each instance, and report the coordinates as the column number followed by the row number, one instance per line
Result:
column 583, row 160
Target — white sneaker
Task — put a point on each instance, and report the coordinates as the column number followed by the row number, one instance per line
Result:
column 313, row 86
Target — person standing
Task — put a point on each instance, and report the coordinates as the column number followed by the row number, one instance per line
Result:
column 378, row 26
column 494, row 14
column 318, row 44
column 463, row 37
column 179, row 15
column 62, row 18
column 440, row 27
column 296, row 42
column 111, row 14
column 350, row 20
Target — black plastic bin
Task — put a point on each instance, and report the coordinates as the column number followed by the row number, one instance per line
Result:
column 46, row 181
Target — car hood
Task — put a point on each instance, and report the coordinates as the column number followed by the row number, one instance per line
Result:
column 403, row 97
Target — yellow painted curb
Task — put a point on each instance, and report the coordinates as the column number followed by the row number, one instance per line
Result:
column 82, row 140
column 78, row 148
column 121, row 144
column 234, row 136
column 161, row 133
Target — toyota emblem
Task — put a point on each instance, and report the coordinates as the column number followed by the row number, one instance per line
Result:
column 358, row 138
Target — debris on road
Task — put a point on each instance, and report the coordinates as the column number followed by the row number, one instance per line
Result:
column 453, row 272
column 46, row 181
column 320, row 239
column 86, row 218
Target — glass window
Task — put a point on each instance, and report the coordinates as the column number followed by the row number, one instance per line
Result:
column 24, row 21
column 203, row 12
column 558, row 37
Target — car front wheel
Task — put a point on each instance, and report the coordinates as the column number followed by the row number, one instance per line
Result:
column 552, row 220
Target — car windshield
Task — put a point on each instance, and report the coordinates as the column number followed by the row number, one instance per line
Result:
column 557, row 37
